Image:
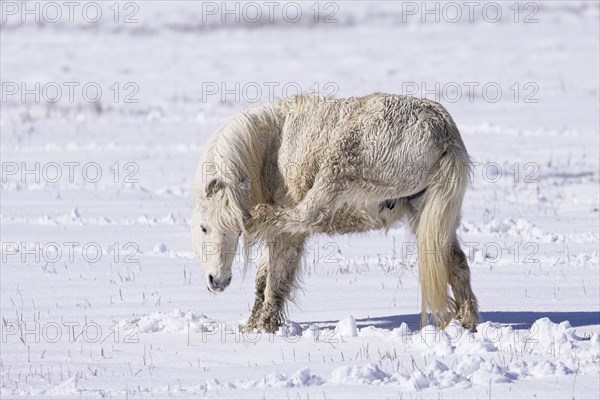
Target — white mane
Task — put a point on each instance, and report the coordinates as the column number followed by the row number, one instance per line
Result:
column 235, row 156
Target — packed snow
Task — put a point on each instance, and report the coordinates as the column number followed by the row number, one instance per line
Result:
column 101, row 295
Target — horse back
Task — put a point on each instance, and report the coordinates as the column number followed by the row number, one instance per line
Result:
column 373, row 138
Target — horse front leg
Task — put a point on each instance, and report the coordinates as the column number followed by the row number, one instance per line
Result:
column 261, row 284
column 284, row 256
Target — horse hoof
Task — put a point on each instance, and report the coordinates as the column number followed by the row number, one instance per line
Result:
column 260, row 214
column 259, row 329
column 262, row 210
column 470, row 325
column 249, row 328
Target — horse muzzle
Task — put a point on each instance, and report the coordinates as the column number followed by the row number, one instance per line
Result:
column 217, row 285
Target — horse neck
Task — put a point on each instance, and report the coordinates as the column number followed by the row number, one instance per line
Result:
column 244, row 145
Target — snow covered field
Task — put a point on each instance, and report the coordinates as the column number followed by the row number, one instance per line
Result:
column 106, row 107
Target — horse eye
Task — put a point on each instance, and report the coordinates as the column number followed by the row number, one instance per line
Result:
column 203, row 229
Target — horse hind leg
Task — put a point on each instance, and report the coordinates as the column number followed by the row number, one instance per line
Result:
column 460, row 281
column 392, row 210
column 459, row 275
column 315, row 213
column 269, row 220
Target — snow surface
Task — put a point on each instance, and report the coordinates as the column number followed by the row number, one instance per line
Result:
column 139, row 322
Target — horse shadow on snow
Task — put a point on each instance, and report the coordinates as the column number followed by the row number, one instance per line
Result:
column 516, row 319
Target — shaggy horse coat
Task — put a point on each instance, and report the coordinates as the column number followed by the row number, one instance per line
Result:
column 279, row 173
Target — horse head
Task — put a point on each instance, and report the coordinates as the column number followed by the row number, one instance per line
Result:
column 217, row 223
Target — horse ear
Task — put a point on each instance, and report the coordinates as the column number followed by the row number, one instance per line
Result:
column 213, row 187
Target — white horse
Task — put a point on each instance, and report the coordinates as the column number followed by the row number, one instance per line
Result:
column 278, row 173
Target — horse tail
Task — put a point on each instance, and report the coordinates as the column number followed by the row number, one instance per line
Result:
column 437, row 223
